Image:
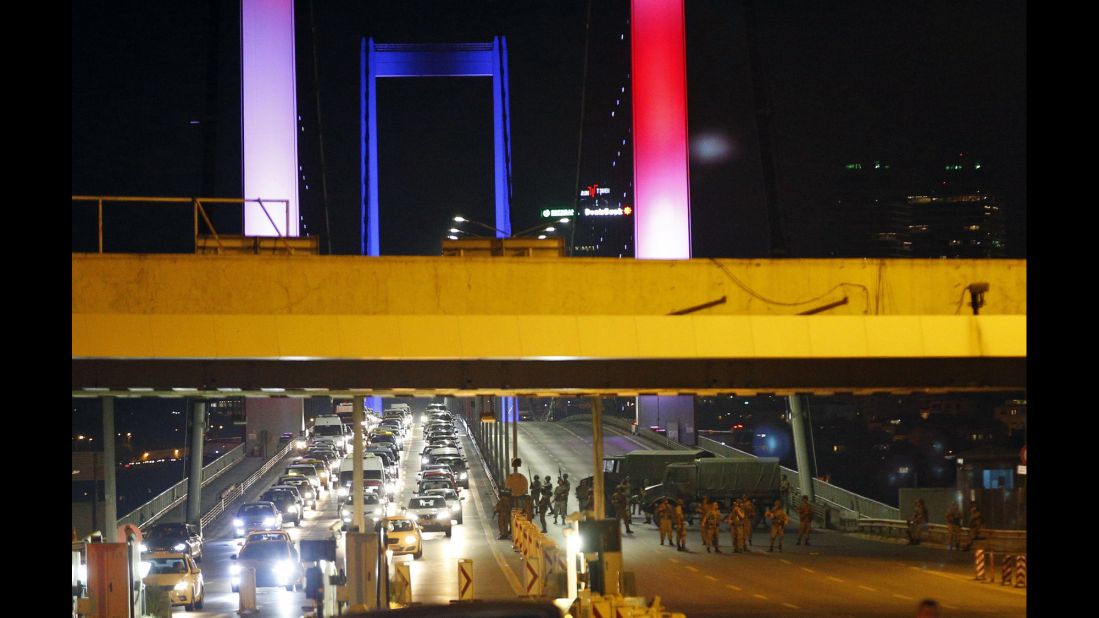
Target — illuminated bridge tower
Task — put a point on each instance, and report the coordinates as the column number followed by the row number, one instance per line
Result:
column 661, row 187
column 433, row 60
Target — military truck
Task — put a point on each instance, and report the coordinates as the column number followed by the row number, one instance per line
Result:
column 643, row 467
column 723, row 480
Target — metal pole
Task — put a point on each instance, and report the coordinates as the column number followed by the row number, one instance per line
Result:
column 597, row 456
column 194, row 482
column 110, row 507
column 100, row 225
column 514, row 425
column 358, row 516
column 801, row 446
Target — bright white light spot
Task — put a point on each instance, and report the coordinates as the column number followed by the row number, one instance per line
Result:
column 712, row 147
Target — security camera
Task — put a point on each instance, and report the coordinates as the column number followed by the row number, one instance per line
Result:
column 977, row 288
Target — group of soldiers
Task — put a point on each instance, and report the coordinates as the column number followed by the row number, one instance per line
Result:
column 918, row 523
column 542, row 496
column 740, row 519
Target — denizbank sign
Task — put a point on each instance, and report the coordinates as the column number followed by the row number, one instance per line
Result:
column 608, row 212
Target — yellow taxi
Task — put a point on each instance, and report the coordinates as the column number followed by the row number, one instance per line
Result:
column 177, row 574
column 403, row 536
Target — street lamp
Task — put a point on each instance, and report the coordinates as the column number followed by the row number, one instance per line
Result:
column 461, row 219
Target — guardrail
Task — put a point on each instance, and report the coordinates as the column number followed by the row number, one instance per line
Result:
column 723, row 450
column 165, row 501
column 995, row 540
column 484, row 463
column 228, row 497
column 841, row 499
column 642, row 432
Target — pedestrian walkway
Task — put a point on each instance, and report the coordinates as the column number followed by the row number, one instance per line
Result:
column 212, row 492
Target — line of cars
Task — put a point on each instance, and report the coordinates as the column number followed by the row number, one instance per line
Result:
column 171, row 552
column 436, row 504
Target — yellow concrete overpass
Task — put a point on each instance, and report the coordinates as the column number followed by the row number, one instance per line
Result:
column 206, row 325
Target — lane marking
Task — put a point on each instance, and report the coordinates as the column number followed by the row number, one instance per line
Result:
column 673, row 560
column 790, row 605
column 784, row 561
column 951, row 607
column 835, row 579
column 711, row 578
column 693, row 569
column 905, row 597
column 737, row 588
column 760, row 596
column 808, row 570
column 868, row 588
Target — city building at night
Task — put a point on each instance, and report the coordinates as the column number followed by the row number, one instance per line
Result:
column 878, row 212
column 602, row 225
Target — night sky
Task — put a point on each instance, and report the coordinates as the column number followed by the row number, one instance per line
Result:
column 156, row 99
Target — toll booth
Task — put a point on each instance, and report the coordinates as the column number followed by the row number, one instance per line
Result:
column 601, row 544
column 994, row 478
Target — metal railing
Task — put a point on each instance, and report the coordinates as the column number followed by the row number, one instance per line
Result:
column 154, row 509
column 642, row 432
column 723, row 450
column 237, row 491
column 198, row 210
column 473, row 439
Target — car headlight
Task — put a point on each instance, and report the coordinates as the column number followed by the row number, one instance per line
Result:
column 390, row 487
column 293, row 508
column 234, row 569
column 410, row 539
column 180, row 587
column 283, row 569
column 463, row 476
column 343, row 492
column 238, row 522
column 144, row 547
column 301, row 444
column 455, row 508
column 378, row 512
column 412, row 516
column 346, row 512
column 423, row 460
column 142, row 568
column 179, row 547
column 268, row 521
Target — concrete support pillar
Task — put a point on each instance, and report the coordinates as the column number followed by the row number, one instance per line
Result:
column 194, row 480
column 597, row 456
column 110, row 491
column 801, row 431
column 507, row 435
column 358, row 516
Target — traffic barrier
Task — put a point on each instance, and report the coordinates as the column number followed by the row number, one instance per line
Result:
column 465, row 580
column 247, row 588
column 402, row 584
column 1007, row 570
column 979, row 557
column 532, row 575
column 1020, row 571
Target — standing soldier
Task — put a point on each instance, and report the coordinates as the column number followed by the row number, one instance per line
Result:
column 805, row 518
column 560, row 501
column 778, row 524
column 503, row 513
column 664, row 518
column 711, row 521
column 678, row 520
column 536, row 487
column 750, row 515
column 918, row 523
column 700, row 509
column 954, row 526
column 975, row 524
column 643, row 500
column 543, row 506
column 622, row 507
column 736, row 525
